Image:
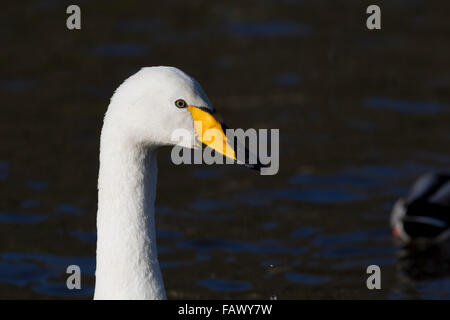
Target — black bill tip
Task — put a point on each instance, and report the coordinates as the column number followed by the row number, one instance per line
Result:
column 257, row 166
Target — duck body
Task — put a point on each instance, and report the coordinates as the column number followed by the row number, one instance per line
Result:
column 425, row 213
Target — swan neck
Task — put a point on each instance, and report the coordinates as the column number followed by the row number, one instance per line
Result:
column 127, row 261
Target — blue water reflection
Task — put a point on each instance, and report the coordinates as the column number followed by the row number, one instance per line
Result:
column 4, row 170
column 410, row 106
column 308, row 279
column 225, row 285
column 120, row 50
column 24, row 218
column 38, row 271
column 268, row 29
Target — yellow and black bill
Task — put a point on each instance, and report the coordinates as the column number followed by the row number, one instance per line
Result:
column 211, row 133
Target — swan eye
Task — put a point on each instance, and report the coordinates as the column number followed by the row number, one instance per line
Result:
column 180, row 103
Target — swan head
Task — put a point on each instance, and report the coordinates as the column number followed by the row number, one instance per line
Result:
column 157, row 101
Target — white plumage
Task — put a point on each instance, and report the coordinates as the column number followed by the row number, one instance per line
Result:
column 140, row 118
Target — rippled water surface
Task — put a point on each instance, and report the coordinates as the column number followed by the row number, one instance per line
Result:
column 361, row 115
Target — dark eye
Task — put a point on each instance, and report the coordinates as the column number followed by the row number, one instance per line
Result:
column 180, row 103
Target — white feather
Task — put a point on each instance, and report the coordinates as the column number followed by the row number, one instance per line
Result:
column 139, row 119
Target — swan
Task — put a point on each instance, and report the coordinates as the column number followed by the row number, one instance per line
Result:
column 425, row 213
column 143, row 112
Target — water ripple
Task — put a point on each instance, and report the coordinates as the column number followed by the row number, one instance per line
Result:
column 225, row 285
column 409, row 106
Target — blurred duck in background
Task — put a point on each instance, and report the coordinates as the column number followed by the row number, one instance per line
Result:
column 424, row 215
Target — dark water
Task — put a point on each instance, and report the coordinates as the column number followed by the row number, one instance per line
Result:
column 361, row 115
